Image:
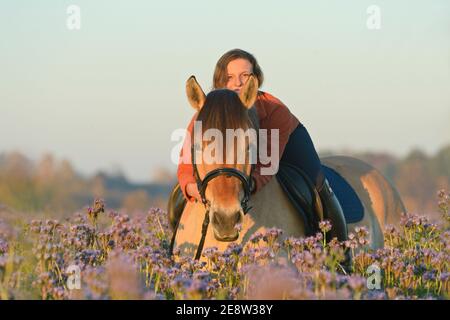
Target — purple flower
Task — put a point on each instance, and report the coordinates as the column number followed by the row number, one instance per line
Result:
column 356, row 283
column 429, row 275
column 325, row 226
column 445, row 276
column 256, row 237
column 233, row 248
column 3, row 246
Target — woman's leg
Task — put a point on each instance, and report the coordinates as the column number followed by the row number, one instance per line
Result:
column 300, row 152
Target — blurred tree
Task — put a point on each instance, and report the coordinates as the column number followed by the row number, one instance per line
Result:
column 441, row 162
column 45, row 170
column 16, row 186
column 414, row 181
column 163, row 176
column 56, row 187
column 136, row 201
column 98, row 186
column 65, row 172
column 16, row 167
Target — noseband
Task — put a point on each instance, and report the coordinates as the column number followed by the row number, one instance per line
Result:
column 228, row 172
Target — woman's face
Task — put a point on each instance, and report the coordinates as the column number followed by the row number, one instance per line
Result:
column 238, row 72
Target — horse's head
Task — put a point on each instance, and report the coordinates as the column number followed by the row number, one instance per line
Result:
column 226, row 140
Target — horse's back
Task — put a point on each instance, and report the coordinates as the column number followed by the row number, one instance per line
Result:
column 272, row 208
column 381, row 201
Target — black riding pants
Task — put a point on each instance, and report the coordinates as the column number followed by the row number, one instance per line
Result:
column 300, row 152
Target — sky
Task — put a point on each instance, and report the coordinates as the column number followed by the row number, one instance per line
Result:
column 110, row 94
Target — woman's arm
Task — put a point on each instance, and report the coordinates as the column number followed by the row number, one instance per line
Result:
column 185, row 172
column 279, row 118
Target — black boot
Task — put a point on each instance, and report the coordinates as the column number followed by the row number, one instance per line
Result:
column 332, row 211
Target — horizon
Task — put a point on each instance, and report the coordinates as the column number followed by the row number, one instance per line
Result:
column 118, row 171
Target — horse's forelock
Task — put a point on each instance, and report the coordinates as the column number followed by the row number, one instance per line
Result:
column 223, row 110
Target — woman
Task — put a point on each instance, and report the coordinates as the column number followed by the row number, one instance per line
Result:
column 295, row 145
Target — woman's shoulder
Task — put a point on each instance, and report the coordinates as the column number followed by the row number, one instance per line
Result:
column 267, row 104
column 269, row 98
column 271, row 109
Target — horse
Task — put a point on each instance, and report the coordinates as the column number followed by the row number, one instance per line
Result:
column 225, row 187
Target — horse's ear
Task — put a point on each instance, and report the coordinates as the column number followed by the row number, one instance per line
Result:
column 249, row 92
column 195, row 94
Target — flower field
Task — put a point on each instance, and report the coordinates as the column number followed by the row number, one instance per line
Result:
column 101, row 254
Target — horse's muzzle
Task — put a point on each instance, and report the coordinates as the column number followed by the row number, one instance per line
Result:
column 225, row 226
column 228, row 238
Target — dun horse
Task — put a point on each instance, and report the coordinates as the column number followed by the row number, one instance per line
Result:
column 225, row 186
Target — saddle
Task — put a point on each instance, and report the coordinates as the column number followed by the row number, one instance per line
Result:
column 303, row 195
column 301, row 192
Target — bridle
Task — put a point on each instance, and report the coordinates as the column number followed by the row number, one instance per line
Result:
column 202, row 186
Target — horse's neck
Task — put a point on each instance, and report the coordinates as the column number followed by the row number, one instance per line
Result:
column 272, row 208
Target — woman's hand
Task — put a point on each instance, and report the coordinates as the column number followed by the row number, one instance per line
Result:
column 192, row 191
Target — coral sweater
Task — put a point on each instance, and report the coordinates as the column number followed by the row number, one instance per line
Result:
column 272, row 114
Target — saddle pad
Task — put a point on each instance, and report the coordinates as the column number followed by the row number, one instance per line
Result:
column 350, row 203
